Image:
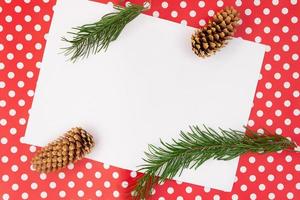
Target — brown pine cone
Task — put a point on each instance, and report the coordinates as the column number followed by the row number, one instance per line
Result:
column 208, row 40
column 71, row 147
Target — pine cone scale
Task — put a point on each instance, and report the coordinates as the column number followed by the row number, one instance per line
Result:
column 209, row 39
column 73, row 146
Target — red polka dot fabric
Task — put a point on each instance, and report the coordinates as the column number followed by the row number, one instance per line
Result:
column 275, row 23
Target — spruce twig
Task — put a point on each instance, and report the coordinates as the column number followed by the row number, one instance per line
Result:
column 92, row 38
column 195, row 147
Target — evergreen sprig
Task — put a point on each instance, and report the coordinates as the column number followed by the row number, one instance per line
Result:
column 195, row 147
column 92, row 38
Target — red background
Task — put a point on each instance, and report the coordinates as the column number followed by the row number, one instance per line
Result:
column 23, row 33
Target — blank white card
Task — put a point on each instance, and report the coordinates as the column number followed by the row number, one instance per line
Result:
column 148, row 85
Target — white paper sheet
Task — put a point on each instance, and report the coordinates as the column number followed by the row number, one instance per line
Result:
column 148, row 85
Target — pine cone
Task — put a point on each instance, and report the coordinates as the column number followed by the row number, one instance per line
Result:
column 209, row 39
column 71, row 147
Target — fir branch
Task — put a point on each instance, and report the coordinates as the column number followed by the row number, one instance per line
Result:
column 92, row 38
column 195, row 147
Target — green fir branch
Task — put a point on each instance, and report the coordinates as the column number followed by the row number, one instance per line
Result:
column 92, row 38
column 195, row 147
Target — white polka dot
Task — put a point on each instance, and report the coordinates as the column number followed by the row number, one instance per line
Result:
column 279, row 168
column 220, row 3
column 71, row 184
column 22, row 121
column 2, row 103
column 243, row 187
column 271, row 196
column 216, row 197
column 202, row 22
column 80, row 193
column 285, row 29
column 286, row 85
column 266, row 11
column 98, row 193
column 10, row 56
column 106, row 184
column 243, row 169
column 295, row 56
column 98, row 175
column 295, row 75
column 192, row 13
column 133, row 174
column 115, row 175
column 276, row 38
column 256, row 2
column 278, row 131
column 9, row 37
column 24, row 195
column 24, row 177
column 88, row 165
column 293, row 2
column 294, row 20
column 116, row 194
column 257, row 39
column 170, row 190
column 211, row 13
column 4, row 140
column 294, row 38
column 238, row 3
column 259, row 113
column 248, row 30
column 2, row 66
column 252, row 178
column 62, row 194
column 27, row 18
column 183, row 4
column 289, row 177
column 23, row 158
column 270, row 159
column 174, row 13
column 257, row 20
column 34, row 186
column 259, row 95
column 5, row 178
column 188, row 189
column 261, row 187
column 164, row 4
column 124, row 184
column 44, row 195
column 18, row 28
column 8, row 18
column 290, row 195
column 268, row 85
column 248, row 11
column 89, row 184
column 285, row 47
column 37, row 27
column 36, row 9
column 271, row 177
column 183, row 22
column 267, row 29
column 251, row 122
column 275, row 20
column 29, row 56
column 276, row 57
column 79, row 175
column 287, row 121
column 4, row 159
column 201, row 4
column 13, row 149
column 251, row 160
